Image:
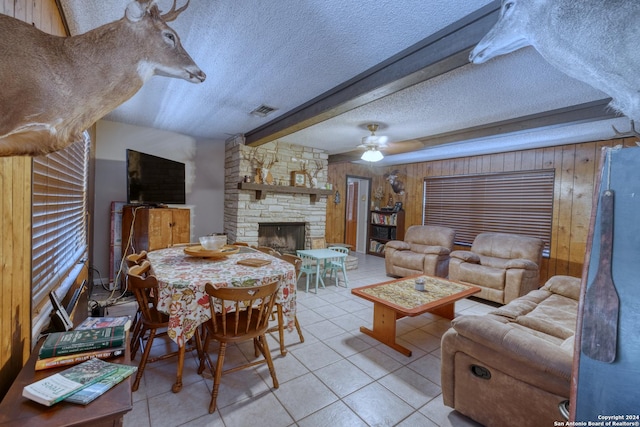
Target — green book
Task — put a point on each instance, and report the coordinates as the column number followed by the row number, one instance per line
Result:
column 70, row 342
column 56, row 387
column 95, row 390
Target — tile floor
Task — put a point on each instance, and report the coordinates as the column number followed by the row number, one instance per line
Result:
column 337, row 377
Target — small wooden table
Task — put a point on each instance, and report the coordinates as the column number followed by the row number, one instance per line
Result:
column 106, row 411
column 398, row 298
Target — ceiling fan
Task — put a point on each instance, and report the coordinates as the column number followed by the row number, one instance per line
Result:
column 372, row 145
column 375, row 145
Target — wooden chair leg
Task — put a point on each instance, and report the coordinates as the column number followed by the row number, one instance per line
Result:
column 138, row 342
column 264, row 349
column 143, row 361
column 216, row 377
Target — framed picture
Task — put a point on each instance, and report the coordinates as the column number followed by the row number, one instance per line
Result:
column 298, row 179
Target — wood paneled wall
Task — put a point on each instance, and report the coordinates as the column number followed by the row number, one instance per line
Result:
column 15, row 212
column 575, row 167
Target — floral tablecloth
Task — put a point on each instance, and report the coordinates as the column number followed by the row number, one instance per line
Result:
column 182, row 280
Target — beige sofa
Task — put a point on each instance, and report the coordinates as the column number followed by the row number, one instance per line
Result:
column 425, row 250
column 504, row 266
column 512, row 367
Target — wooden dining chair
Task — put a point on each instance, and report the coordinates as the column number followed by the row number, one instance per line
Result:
column 238, row 314
column 278, row 312
column 153, row 322
column 269, row 250
column 334, row 265
column 136, row 325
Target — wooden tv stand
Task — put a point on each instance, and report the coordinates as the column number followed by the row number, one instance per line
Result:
column 106, row 411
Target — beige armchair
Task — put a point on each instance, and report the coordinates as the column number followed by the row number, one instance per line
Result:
column 504, row 266
column 425, row 250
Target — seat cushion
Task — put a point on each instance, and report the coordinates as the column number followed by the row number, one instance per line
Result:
column 488, row 277
column 409, row 260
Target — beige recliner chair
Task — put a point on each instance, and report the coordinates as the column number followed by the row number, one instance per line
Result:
column 425, row 250
column 504, row 266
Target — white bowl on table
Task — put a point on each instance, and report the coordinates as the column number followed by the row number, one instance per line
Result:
column 214, row 241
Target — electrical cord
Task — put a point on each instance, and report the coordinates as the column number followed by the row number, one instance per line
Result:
column 112, row 299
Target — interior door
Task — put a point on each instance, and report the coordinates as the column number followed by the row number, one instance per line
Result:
column 351, row 227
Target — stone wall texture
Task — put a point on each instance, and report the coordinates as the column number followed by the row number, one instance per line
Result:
column 243, row 213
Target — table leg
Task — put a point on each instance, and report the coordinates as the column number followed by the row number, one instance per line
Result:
column 384, row 328
column 318, row 278
column 178, row 384
column 445, row 311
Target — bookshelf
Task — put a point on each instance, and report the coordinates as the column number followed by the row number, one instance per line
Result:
column 384, row 226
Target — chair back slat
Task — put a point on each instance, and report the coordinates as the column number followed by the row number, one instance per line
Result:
column 145, row 288
column 268, row 250
column 249, row 312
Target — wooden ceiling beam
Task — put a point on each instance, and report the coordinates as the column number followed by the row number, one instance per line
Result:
column 575, row 114
column 437, row 54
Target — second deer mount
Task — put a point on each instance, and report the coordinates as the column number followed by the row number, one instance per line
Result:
column 263, row 176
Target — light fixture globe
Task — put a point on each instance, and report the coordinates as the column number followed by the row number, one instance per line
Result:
column 372, row 155
column 371, row 144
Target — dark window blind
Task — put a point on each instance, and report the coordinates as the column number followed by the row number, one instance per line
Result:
column 510, row 202
column 59, row 212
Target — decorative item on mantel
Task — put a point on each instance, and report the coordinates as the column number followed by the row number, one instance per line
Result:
column 298, row 179
column 264, row 165
column 313, row 176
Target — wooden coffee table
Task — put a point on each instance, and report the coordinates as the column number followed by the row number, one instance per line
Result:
column 398, row 298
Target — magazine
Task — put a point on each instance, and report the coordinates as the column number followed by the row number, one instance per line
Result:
column 56, row 387
column 95, row 390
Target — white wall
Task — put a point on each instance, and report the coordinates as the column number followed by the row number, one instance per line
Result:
column 204, row 162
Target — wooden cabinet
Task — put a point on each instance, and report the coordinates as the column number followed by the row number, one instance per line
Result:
column 383, row 227
column 154, row 228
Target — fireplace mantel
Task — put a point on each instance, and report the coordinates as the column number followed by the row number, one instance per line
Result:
column 262, row 189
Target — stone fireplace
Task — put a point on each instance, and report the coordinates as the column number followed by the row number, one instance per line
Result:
column 245, row 211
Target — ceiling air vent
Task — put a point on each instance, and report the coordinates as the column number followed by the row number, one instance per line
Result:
column 263, row 111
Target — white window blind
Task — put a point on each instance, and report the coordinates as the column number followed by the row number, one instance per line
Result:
column 510, row 202
column 59, row 212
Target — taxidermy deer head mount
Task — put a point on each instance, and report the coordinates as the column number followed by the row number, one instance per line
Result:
column 396, row 184
column 54, row 88
column 593, row 41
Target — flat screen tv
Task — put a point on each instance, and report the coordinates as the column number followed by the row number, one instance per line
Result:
column 152, row 180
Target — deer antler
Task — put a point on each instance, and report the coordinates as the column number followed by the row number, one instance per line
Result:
column 275, row 158
column 173, row 13
column 632, row 131
column 319, row 168
column 252, row 157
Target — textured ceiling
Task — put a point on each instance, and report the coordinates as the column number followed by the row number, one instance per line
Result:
column 284, row 53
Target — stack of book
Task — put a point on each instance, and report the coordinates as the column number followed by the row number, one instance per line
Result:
column 85, row 347
column 96, row 337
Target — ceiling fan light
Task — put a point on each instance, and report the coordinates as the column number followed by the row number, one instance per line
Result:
column 372, row 155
